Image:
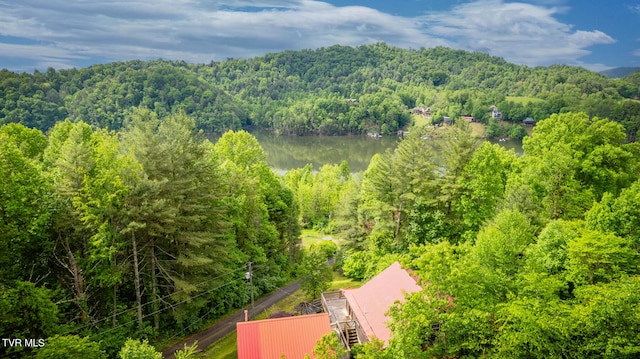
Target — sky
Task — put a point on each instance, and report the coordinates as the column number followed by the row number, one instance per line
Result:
column 38, row 34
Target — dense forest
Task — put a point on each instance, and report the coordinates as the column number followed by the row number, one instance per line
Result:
column 120, row 221
column 141, row 233
column 519, row 257
column 335, row 90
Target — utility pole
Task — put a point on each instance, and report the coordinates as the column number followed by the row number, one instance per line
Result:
column 249, row 277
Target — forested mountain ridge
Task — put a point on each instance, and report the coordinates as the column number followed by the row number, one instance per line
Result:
column 334, row 90
column 620, row 71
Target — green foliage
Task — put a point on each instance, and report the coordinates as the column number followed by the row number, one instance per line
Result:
column 355, row 266
column 595, row 257
column 366, row 264
column 27, row 311
column 415, row 326
column 25, row 195
column 315, row 273
column 605, row 318
column 70, row 347
column 187, row 353
column 619, row 215
column 333, row 90
column 263, row 211
column 516, row 294
column 318, row 195
column 571, row 161
column 327, row 248
column 138, row 232
column 494, row 129
column 549, row 253
column 329, row 347
column 372, row 349
column 484, row 184
column 136, row 349
column 30, row 141
column 517, row 132
column 530, row 327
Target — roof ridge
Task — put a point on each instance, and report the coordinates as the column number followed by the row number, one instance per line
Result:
column 284, row 318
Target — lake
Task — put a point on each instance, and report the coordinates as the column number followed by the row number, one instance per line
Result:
column 287, row 152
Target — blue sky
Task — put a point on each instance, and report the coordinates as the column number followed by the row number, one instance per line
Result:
column 37, row 34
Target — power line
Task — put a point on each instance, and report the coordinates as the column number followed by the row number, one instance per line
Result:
column 250, row 277
column 150, row 302
column 150, row 314
column 162, row 310
column 196, row 321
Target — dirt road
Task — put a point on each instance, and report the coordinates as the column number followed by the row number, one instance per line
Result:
column 220, row 329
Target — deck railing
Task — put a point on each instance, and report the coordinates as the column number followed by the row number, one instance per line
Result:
column 362, row 336
column 333, row 300
column 326, row 298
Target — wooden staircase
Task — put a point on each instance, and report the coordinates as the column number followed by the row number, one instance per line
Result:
column 351, row 335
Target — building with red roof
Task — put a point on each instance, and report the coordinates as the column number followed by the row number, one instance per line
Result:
column 291, row 337
column 357, row 314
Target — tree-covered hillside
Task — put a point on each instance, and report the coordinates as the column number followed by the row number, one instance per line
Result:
column 143, row 233
column 519, row 257
column 123, row 221
column 335, row 90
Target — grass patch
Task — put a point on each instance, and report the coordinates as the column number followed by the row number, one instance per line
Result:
column 419, row 120
column 477, row 130
column 523, row 99
column 288, row 304
column 342, row 282
column 310, row 236
column 225, row 348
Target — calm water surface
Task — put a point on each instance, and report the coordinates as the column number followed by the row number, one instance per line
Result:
column 288, row 152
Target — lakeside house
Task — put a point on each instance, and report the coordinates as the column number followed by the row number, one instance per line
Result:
column 357, row 314
column 495, row 113
column 291, row 337
column 529, row 121
column 421, row 110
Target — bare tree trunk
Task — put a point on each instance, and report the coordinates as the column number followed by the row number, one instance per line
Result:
column 136, row 279
column 77, row 280
column 154, row 285
column 399, row 213
column 115, row 304
column 115, row 297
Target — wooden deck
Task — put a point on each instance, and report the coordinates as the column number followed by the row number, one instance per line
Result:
column 335, row 304
column 347, row 328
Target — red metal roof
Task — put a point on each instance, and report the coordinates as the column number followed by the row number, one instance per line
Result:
column 292, row 337
column 370, row 302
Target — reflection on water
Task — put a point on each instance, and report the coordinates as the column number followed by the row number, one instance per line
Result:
column 515, row 145
column 287, row 152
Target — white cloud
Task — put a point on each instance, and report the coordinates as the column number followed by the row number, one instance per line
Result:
column 35, row 51
column 519, row 32
column 205, row 30
column 201, row 31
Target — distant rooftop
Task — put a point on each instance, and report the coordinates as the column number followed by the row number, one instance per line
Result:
column 370, row 302
column 292, row 337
